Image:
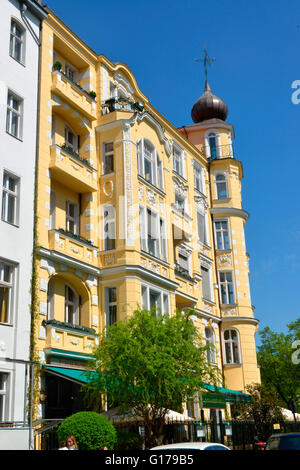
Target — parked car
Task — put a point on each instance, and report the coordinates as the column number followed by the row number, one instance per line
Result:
column 192, row 446
column 288, row 441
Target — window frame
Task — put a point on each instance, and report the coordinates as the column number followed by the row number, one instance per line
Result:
column 211, row 353
column 73, row 219
column 230, row 341
column 159, row 226
column 11, row 111
column 210, row 283
column 164, row 298
column 226, row 284
column 109, row 225
column 10, row 286
column 75, row 304
column 110, row 155
column 109, row 304
column 224, row 174
column 4, row 392
column 7, row 194
column 155, row 162
column 179, row 160
column 13, row 38
column 199, row 178
column 212, row 133
column 222, row 231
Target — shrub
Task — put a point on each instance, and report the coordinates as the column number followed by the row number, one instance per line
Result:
column 129, row 441
column 92, row 94
column 91, row 430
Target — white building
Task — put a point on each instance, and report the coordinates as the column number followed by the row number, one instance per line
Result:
column 20, row 25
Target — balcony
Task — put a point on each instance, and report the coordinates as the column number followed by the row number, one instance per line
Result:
column 72, row 171
column 73, row 245
column 69, row 337
column 73, row 94
column 182, row 272
column 121, row 104
column 215, row 153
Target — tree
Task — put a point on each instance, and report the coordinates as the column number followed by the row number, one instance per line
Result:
column 264, row 409
column 150, row 363
column 280, row 370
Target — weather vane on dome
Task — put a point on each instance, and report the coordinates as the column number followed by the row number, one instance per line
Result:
column 206, row 60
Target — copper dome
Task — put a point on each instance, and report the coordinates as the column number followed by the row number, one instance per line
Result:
column 209, row 106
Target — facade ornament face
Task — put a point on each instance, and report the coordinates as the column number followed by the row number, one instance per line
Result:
column 150, row 197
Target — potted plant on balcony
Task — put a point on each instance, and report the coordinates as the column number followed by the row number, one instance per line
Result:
column 57, row 65
column 92, row 94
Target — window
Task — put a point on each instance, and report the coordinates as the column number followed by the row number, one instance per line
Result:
column 50, row 300
column 221, row 186
column 3, row 395
column 52, row 209
column 72, row 218
column 212, row 144
column 183, row 261
column 71, row 306
column 6, row 291
column 155, row 299
column 206, row 283
column 10, row 199
column 201, row 222
column 210, row 342
column 152, row 233
column 109, row 228
column 71, row 73
column 111, row 305
column 232, row 348
column 198, row 177
column 72, row 140
column 14, row 115
column 180, row 202
column 178, row 160
column 222, row 235
column 226, row 287
column 149, row 164
column 17, row 42
column 108, row 158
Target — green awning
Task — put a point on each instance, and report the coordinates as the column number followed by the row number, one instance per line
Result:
column 231, row 396
column 75, row 375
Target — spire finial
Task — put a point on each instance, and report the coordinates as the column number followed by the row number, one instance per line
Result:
column 206, row 62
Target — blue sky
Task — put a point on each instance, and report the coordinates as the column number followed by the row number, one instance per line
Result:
column 257, row 49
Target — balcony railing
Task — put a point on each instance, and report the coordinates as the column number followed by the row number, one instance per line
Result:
column 217, row 152
column 121, row 104
column 183, row 272
column 73, row 245
column 71, row 326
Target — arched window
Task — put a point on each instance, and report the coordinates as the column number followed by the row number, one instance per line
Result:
column 232, row 346
column 71, row 306
column 221, row 186
column 210, row 341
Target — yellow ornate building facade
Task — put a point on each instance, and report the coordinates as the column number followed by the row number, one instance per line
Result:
column 132, row 211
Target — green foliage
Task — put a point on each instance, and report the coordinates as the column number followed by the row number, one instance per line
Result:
column 57, row 65
column 150, row 362
column 91, row 430
column 129, row 441
column 276, row 357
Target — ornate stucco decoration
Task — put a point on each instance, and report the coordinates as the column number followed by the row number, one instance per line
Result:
column 151, row 197
column 179, row 186
column 160, row 131
column 224, row 260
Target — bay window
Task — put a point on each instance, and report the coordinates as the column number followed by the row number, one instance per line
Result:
column 156, row 299
column 222, row 234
